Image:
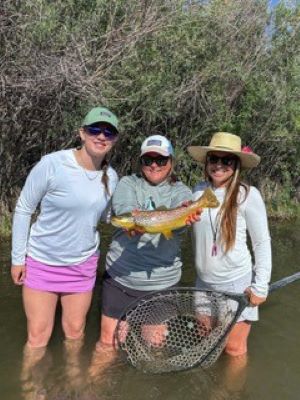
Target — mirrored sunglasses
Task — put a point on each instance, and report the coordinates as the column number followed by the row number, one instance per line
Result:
column 109, row 134
column 227, row 161
column 160, row 161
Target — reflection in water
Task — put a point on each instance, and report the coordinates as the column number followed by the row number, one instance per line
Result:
column 74, row 374
column 230, row 385
column 36, row 362
column 104, row 357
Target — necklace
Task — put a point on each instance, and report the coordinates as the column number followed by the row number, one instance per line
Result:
column 91, row 177
column 214, row 230
column 95, row 174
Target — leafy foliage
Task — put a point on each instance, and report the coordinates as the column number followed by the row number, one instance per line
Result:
column 185, row 69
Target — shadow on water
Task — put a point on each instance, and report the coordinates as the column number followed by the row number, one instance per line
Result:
column 272, row 372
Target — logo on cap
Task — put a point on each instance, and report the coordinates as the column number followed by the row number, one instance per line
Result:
column 154, row 142
column 105, row 113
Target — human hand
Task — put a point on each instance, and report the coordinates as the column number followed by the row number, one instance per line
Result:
column 253, row 299
column 195, row 216
column 136, row 231
column 18, row 274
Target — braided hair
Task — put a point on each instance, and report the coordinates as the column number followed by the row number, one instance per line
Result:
column 105, row 178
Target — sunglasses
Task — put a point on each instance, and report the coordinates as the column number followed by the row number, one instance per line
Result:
column 109, row 134
column 227, row 161
column 160, row 161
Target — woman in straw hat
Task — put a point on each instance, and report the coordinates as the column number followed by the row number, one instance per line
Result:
column 223, row 260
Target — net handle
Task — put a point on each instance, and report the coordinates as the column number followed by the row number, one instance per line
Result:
column 242, row 298
column 284, row 281
column 244, row 301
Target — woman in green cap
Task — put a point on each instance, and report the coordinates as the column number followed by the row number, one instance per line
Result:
column 56, row 258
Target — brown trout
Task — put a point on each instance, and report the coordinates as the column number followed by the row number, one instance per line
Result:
column 163, row 220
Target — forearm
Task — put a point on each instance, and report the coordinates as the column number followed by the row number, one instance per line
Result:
column 262, row 268
column 257, row 225
column 20, row 233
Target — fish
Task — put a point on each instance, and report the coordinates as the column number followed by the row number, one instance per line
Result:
column 163, row 220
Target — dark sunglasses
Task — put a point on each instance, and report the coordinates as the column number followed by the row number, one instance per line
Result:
column 109, row 134
column 160, row 161
column 227, row 161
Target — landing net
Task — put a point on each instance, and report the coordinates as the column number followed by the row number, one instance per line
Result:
column 177, row 329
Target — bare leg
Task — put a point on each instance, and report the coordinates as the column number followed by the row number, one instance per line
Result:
column 235, row 372
column 33, row 375
column 155, row 334
column 74, row 310
column 105, row 351
column 237, row 340
column 72, row 348
column 40, row 309
column 40, row 312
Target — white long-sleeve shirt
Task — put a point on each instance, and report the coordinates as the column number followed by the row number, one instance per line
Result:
column 71, row 201
column 237, row 262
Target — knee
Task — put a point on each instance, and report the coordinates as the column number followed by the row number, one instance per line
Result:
column 107, row 338
column 107, row 331
column 233, row 348
column 38, row 336
column 237, row 341
column 74, row 329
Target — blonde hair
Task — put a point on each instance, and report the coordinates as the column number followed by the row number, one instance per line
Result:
column 227, row 214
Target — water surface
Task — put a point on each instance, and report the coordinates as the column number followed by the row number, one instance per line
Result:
column 272, row 373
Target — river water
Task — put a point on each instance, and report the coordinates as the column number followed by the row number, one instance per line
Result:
column 272, row 372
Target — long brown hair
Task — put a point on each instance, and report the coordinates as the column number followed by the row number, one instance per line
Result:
column 227, row 214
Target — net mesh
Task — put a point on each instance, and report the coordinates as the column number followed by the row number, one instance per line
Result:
column 176, row 330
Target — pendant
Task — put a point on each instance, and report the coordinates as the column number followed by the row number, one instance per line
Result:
column 214, row 249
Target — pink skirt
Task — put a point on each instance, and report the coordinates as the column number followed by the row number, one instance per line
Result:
column 61, row 279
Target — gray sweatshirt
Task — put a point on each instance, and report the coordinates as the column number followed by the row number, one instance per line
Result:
column 145, row 262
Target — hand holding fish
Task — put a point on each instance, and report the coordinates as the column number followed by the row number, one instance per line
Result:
column 163, row 220
column 193, row 217
column 138, row 230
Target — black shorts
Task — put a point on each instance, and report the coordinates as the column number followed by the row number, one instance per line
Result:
column 117, row 297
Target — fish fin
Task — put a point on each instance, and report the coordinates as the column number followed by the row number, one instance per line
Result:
column 167, row 234
column 208, row 199
column 125, row 215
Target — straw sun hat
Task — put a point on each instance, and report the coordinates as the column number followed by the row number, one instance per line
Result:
column 229, row 143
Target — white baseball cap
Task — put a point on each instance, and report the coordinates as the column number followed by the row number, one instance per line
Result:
column 157, row 144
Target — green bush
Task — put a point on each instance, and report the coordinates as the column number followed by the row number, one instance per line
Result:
column 185, row 69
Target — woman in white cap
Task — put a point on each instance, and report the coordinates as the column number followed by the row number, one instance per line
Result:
column 56, row 258
column 223, row 260
column 144, row 262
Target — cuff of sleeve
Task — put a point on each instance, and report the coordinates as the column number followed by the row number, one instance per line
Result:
column 260, row 291
column 17, row 261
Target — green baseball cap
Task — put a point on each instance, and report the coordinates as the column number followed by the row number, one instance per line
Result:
column 100, row 114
